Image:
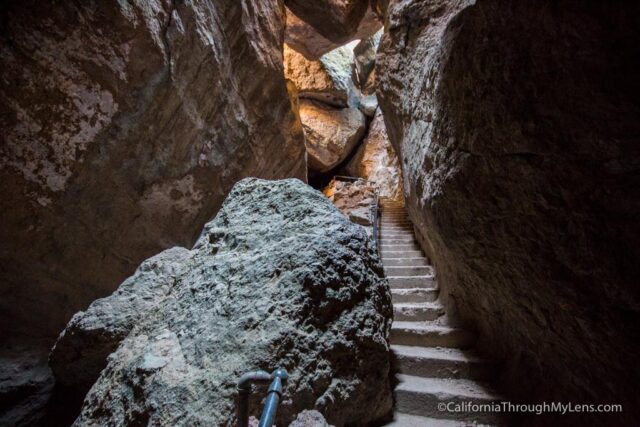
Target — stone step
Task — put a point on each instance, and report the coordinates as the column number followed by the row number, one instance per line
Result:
column 421, row 396
column 395, row 220
column 402, row 239
column 396, row 227
column 396, row 234
column 392, row 262
column 407, row 420
column 400, row 247
column 425, row 281
column 417, row 311
column 395, row 223
column 399, row 296
column 441, row 363
column 429, row 334
column 401, row 254
column 409, row 270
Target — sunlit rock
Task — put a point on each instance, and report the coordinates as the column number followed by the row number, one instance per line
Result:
column 330, row 133
column 328, row 79
column 376, row 161
column 354, row 199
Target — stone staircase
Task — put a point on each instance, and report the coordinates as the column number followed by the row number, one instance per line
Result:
column 433, row 358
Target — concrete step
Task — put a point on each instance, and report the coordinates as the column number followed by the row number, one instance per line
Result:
column 400, row 247
column 392, row 262
column 441, row 363
column 396, row 227
column 397, row 240
column 401, row 254
column 421, row 396
column 397, row 234
column 429, row 334
column 426, row 281
column 409, row 270
column 407, row 420
column 399, row 296
column 417, row 311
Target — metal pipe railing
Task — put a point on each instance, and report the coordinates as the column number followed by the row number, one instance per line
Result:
column 273, row 398
column 279, row 376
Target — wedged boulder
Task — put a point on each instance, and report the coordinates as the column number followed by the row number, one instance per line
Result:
column 123, row 127
column 330, row 133
column 328, row 79
column 280, row 278
column 336, row 20
column 376, row 161
column 305, row 39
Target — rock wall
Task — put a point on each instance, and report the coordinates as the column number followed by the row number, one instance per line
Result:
column 280, row 278
column 517, row 127
column 376, row 161
column 123, row 127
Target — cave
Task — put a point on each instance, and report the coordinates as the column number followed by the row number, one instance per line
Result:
column 395, row 212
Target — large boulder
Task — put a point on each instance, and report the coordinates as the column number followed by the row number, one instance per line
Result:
column 517, row 127
column 376, row 161
column 336, row 20
column 328, row 79
column 330, row 133
column 305, row 39
column 123, row 127
column 278, row 279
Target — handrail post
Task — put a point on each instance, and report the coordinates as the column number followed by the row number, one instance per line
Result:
column 244, row 390
column 273, row 398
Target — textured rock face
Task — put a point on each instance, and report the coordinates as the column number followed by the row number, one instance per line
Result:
column 517, row 127
column 336, row 20
column 305, row 39
column 327, row 79
column 309, row 419
column 124, row 124
column 376, row 161
column 278, row 278
column 25, row 383
column 353, row 199
column 365, row 58
column 330, row 133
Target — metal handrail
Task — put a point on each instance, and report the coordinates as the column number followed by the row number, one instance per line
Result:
column 279, row 376
column 375, row 207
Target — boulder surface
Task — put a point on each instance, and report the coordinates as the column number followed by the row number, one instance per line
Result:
column 278, row 279
column 328, row 79
column 336, row 20
column 330, row 133
column 305, row 39
column 123, row 127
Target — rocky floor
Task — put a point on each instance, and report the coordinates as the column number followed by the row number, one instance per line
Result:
column 436, row 365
